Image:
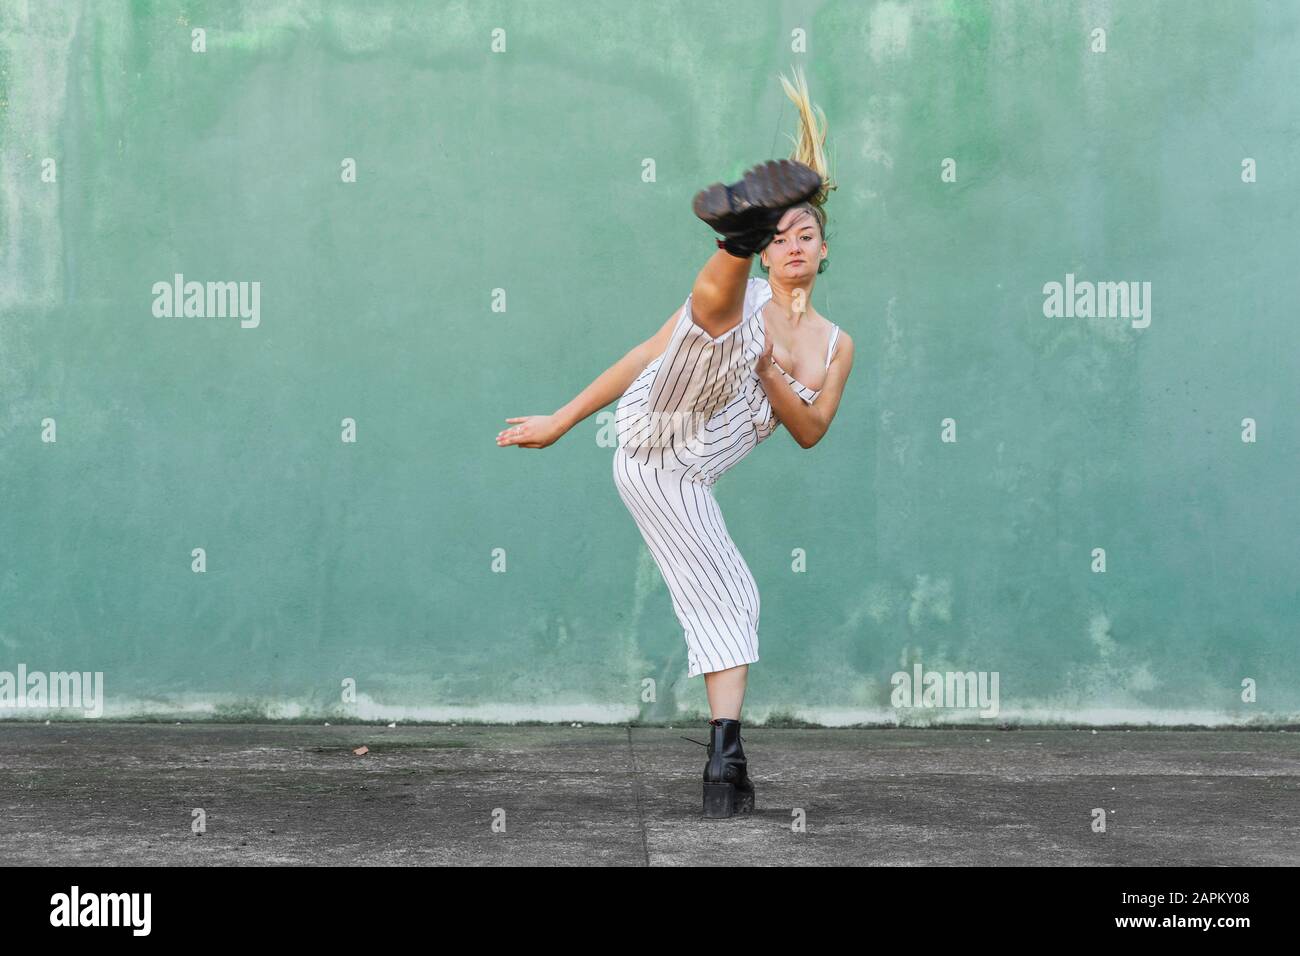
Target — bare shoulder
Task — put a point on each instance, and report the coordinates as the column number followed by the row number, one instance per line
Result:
column 843, row 345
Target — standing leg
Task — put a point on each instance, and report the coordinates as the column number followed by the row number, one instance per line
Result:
column 726, row 690
column 713, row 593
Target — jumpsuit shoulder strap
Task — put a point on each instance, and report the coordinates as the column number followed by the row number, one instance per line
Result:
column 830, row 349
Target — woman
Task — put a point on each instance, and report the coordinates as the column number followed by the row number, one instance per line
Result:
column 741, row 357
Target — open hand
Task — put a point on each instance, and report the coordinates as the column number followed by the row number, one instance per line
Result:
column 530, row 431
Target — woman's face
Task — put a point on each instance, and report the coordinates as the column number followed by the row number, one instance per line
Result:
column 797, row 248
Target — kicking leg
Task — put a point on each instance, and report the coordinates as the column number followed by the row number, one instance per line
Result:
column 746, row 213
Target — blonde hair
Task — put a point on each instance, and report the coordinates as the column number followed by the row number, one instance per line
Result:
column 809, row 147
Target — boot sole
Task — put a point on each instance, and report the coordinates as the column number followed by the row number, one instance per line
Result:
column 744, row 801
column 719, row 800
column 776, row 184
column 722, row 800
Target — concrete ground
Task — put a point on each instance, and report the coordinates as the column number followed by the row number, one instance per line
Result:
column 92, row 793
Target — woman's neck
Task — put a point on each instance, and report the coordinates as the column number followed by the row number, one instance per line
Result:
column 785, row 298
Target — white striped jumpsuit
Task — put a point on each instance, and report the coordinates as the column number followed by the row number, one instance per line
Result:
column 692, row 414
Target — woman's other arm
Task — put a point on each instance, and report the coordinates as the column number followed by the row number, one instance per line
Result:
column 538, row 431
column 807, row 423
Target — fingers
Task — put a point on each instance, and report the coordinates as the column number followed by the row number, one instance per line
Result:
column 530, row 431
column 515, row 435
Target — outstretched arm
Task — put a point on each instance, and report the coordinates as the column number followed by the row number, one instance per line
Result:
column 538, row 431
column 807, row 423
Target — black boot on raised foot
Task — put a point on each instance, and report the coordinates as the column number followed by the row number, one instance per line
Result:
column 747, row 212
column 727, row 787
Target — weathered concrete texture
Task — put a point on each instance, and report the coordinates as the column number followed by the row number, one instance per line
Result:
column 123, row 794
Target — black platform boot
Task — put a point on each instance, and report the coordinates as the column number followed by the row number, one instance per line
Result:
column 727, row 787
column 747, row 212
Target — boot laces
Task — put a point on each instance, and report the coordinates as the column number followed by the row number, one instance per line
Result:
column 703, row 744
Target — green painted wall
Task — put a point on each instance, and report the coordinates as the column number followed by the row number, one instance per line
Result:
column 522, row 171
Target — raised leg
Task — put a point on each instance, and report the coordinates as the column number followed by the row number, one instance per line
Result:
column 746, row 213
column 719, row 291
